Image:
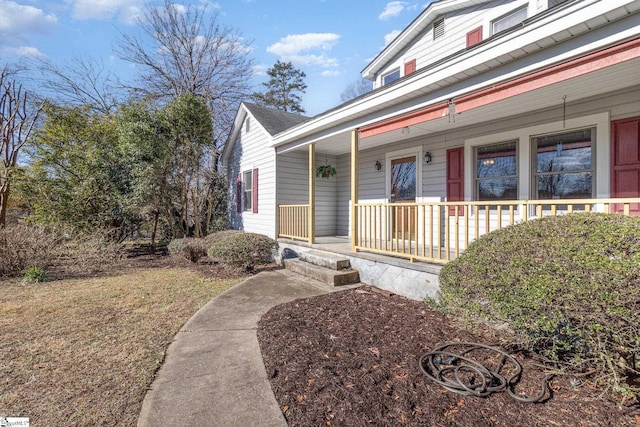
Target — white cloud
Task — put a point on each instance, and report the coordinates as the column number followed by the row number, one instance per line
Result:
column 24, row 51
column 19, row 20
column 392, row 9
column 126, row 10
column 306, row 49
column 388, row 38
column 260, row 70
column 330, row 73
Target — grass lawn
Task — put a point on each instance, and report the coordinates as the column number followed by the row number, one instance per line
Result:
column 84, row 351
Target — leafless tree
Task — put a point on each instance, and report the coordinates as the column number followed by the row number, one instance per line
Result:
column 80, row 82
column 182, row 50
column 355, row 89
column 17, row 120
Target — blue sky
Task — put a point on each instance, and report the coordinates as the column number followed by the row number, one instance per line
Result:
column 330, row 40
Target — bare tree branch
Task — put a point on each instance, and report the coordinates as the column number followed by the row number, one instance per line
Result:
column 182, row 51
column 17, row 121
column 81, row 82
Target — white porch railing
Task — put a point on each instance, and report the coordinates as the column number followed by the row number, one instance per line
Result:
column 439, row 231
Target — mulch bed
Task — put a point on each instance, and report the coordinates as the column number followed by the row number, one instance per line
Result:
column 351, row 358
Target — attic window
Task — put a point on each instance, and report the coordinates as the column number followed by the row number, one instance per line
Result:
column 390, row 77
column 438, row 28
column 509, row 20
column 554, row 3
column 247, row 125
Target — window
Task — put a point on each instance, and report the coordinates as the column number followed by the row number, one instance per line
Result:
column 391, row 77
column 496, row 171
column 563, row 165
column 247, row 125
column 509, row 20
column 247, row 181
column 554, row 3
column 438, row 28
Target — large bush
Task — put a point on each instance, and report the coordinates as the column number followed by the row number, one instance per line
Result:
column 31, row 246
column 190, row 248
column 22, row 247
column 242, row 249
column 568, row 286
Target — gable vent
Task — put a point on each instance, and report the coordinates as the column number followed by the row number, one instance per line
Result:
column 438, row 28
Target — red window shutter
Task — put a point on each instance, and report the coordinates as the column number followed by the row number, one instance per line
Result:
column 409, row 67
column 254, row 191
column 455, row 178
column 239, row 193
column 474, row 37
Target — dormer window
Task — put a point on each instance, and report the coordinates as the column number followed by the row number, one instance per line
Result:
column 438, row 28
column 509, row 20
column 391, row 77
column 554, row 3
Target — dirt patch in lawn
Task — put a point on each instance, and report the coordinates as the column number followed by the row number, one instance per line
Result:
column 352, row 359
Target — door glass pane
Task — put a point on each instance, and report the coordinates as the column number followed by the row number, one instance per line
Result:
column 403, row 179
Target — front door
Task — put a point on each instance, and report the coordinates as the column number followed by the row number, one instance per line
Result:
column 625, row 161
column 403, row 190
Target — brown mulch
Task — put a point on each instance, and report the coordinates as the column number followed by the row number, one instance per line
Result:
column 351, row 358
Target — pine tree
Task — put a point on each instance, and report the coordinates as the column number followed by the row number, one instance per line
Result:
column 283, row 88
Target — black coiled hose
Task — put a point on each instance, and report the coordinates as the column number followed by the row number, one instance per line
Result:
column 461, row 367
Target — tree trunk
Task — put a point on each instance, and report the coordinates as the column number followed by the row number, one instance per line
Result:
column 4, row 203
column 156, row 216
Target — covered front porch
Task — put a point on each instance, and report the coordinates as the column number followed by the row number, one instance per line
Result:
column 422, row 178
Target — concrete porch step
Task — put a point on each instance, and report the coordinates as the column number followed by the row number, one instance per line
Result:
column 322, row 274
column 326, row 259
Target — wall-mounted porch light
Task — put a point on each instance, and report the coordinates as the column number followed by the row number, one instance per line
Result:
column 427, row 157
column 378, row 165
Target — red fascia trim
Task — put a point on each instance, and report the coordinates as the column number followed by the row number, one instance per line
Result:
column 430, row 113
column 574, row 68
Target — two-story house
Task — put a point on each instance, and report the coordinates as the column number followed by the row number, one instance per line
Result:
column 483, row 113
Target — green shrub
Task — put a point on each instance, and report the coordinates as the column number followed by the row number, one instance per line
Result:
column 35, row 275
column 24, row 246
column 568, row 286
column 242, row 249
column 190, row 248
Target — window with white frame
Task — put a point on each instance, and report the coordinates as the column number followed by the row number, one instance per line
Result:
column 564, row 166
column 497, row 171
column 391, row 77
column 247, row 186
column 509, row 20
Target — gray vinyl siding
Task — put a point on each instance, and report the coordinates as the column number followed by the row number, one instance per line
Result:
column 252, row 151
column 293, row 187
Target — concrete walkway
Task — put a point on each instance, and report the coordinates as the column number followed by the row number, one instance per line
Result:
column 213, row 374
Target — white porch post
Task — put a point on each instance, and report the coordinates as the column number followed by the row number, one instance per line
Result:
column 312, row 194
column 355, row 135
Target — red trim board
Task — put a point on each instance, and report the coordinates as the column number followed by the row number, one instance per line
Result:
column 574, row 68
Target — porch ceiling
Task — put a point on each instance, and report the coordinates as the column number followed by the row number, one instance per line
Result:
column 591, row 85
